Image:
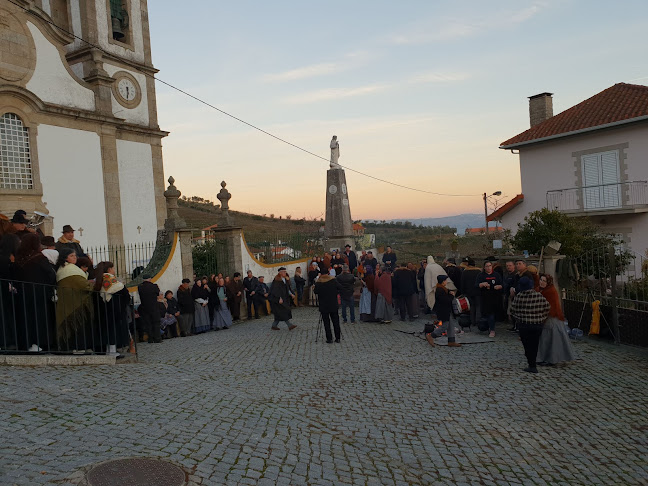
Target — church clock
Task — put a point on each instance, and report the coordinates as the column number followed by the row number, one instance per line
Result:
column 126, row 90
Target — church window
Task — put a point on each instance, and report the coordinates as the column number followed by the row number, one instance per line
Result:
column 15, row 157
column 119, row 20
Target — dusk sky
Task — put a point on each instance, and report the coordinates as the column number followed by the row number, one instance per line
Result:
column 420, row 93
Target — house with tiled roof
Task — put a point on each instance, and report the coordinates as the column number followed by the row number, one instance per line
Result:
column 590, row 160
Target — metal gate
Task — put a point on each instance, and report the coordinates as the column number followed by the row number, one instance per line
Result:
column 210, row 257
column 618, row 279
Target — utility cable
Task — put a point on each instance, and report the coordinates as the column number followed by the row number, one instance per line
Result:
column 240, row 119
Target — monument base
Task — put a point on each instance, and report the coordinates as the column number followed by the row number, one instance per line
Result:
column 339, row 243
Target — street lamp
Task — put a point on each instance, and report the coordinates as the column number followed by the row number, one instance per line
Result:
column 496, row 193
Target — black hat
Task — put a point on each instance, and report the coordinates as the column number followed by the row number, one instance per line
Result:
column 186, row 280
column 281, row 268
column 48, row 241
column 347, row 246
column 67, row 228
column 452, row 260
column 441, row 278
column 19, row 219
column 492, row 259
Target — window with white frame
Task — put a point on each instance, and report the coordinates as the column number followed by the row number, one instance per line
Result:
column 15, row 158
column 601, row 180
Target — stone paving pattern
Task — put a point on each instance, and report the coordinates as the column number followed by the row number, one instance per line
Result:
column 251, row 406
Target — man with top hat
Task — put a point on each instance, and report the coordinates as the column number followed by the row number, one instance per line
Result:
column 20, row 223
column 351, row 258
column 67, row 240
column 280, row 297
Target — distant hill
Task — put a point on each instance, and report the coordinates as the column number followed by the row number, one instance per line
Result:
column 460, row 221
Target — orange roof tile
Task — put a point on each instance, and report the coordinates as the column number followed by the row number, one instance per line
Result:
column 619, row 103
column 501, row 211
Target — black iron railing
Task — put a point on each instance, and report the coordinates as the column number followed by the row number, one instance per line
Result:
column 38, row 318
column 619, row 195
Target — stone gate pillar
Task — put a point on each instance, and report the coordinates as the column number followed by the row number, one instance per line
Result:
column 175, row 224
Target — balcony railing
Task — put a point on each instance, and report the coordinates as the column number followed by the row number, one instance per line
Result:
column 617, row 197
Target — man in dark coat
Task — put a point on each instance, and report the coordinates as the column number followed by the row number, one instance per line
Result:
column 148, row 308
column 186, row 307
column 67, row 240
column 404, row 287
column 347, row 282
column 351, row 258
column 20, row 223
column 371, row 260
column 453, row 272
column 389, row 258
column 327, row 289
column 236, row 293
column 261, row 294
column 470, row 289
column 250, row 283
column 280, row 297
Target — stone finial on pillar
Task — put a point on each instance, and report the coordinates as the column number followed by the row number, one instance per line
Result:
column 224, row 196
column 172, row 194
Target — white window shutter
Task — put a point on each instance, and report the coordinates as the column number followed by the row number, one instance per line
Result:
column 591, row 177
column 611, row 194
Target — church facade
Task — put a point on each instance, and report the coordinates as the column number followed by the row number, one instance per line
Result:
column 79, row 132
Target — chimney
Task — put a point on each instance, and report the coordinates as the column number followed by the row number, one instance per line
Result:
column 540, row 108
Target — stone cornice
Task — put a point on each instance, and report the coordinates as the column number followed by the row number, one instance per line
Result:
column 40, row 106
column 84, row 53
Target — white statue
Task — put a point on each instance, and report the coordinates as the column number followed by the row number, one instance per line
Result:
column 335, row 153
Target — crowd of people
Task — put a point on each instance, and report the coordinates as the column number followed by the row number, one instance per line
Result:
column 54, row 298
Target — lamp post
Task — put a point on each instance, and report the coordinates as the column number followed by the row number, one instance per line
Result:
column 496, row 193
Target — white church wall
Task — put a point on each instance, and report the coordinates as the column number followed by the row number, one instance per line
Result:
column 72, row 176
column 135, row 27
column 140, row 113
column 137, row 191
column 51, row 81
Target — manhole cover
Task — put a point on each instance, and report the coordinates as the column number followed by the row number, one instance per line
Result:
column 136, row 472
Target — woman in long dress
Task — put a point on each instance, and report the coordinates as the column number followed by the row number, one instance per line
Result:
column 201, row 300
column 554, row 346
column 222, row 315
column 384, row 308
column 111, row 302
column 74, row 310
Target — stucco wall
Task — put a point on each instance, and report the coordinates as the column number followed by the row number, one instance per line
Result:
column 137, row 191
column 269, row 271
column 140, row 113
column 549, row 166
column 72, row 177
column 51, row 81
column 171, row 277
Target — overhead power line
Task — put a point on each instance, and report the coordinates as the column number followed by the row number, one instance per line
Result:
column 243, row 121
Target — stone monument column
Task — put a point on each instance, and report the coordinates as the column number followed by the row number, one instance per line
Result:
column 338, row 227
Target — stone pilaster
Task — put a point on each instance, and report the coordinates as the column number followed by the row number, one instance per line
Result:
column 158, row 181
column 112, row 195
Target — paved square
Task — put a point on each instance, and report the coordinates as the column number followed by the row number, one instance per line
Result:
column 251, row 406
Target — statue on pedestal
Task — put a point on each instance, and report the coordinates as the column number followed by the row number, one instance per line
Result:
column 335, row 153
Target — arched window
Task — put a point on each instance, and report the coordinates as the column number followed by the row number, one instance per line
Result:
column 15, row 157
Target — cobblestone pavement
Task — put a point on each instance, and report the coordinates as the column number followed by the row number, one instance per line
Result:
column 251, row 406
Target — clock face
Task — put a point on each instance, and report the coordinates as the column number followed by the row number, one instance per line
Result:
column 127, row 89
